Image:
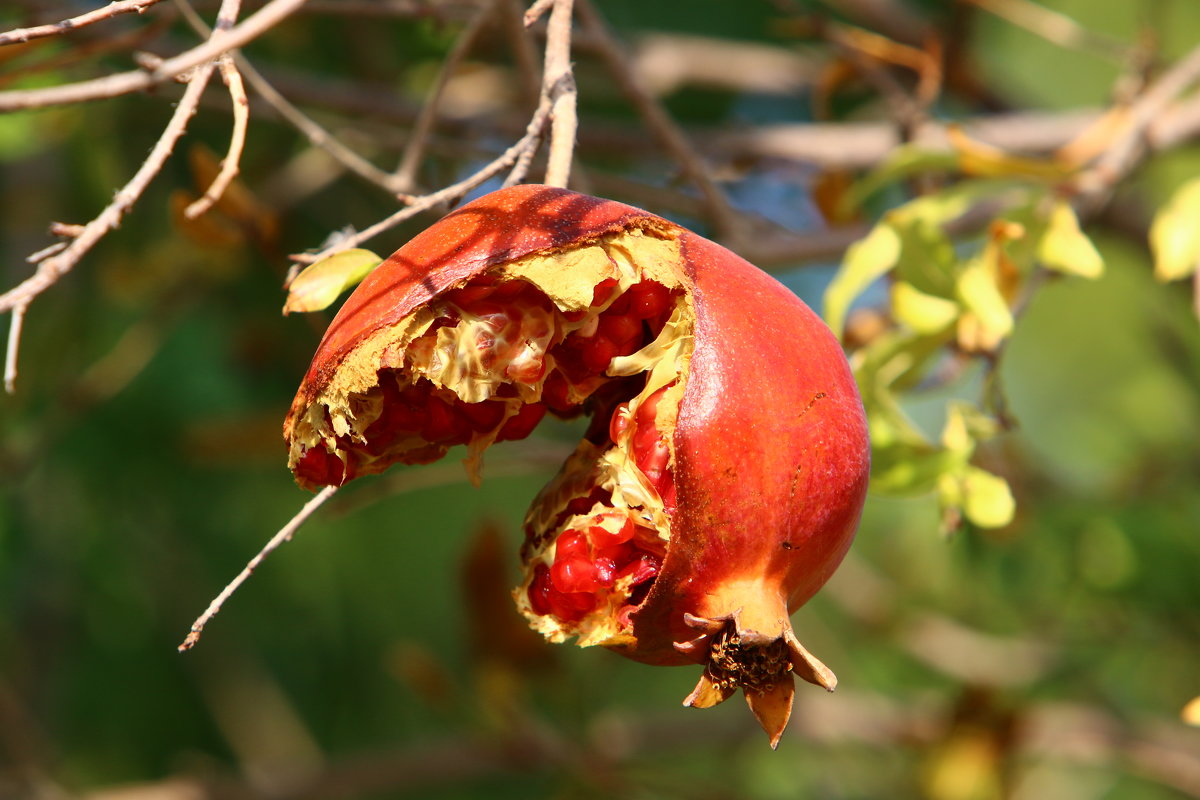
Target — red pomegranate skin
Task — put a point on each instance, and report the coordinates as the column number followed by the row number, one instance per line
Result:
column 770, row 453
column 777, row 455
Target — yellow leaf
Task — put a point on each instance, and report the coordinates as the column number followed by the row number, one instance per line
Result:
column 978, row 291
column 1065, row 248
column 1191, row 712
column 987, row 500
column 322, row 282
column 866, row 261
column 1175, row 234
column 924, row 313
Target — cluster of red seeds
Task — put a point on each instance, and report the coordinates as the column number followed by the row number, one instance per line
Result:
column 512, row 312
column 588, row 560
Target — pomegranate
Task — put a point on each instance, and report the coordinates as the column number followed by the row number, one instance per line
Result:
column 722, row 476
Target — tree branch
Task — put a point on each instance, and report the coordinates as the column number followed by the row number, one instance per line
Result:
column 558, row 85
column 284, row 535
column 111, row 10
column 121, row 83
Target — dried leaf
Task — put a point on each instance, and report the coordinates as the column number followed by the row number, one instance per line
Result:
column 323, row 282
column 1175, row 235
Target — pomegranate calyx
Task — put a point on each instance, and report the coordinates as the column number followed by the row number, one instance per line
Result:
column 759, row 664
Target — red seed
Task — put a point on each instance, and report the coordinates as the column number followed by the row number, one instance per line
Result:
column 508, row 290
column 468, row 295
column 619, row 423
column 603, row 538
column 540, row 589
column 574, row 575
column 621, row 328
column 606, row 571
column 648, row 299
column 603, row 291
column 571, row 606
column 445, row 424
column 484, row 416
column 554, row 393
column 597, row 352
column 569, row 546
column 521, row 425
column 643, row 568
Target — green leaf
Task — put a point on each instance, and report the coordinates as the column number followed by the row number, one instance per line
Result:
column 1065, row 248
column 866, row 261
column 323, row 282
column 924, row 313
column 987, row 500
column 1175, row 234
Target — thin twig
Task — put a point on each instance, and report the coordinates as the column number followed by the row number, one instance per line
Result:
column 1128, row 148
column 51, row 269
column 12, row 348
column 237, row 140
column 285, row 534
column 532, row 137
column 54, row 29
column 535, row 11
column 120, row 83
column 1055, row 27
column 404, row 178
column 317, row 136
column 521, row 169
column 559, row 84
column 658, row 120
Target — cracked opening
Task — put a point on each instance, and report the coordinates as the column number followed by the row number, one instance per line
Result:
column 603, row 329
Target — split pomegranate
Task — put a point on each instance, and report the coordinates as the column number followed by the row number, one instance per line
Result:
column 721, row 479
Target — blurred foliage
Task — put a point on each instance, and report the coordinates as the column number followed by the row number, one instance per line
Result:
column 1032, row 387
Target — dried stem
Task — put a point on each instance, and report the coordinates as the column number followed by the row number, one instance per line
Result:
column 241, row 121
column 13, row 346
column 259, row 23
column 285, row 534
column 535, row 11
column 83, row 20
column 559, row 85
column 1130, row 146
column 1055, row 27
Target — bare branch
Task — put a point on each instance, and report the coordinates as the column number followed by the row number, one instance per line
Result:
column 317, row 136
column 11, row 350
column 54, row 29
column 537, row 10
column 1055, row 27
column 53, row 268
column 559, row 84
column 259, row 23
column 284, row 535
column 241, row 121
